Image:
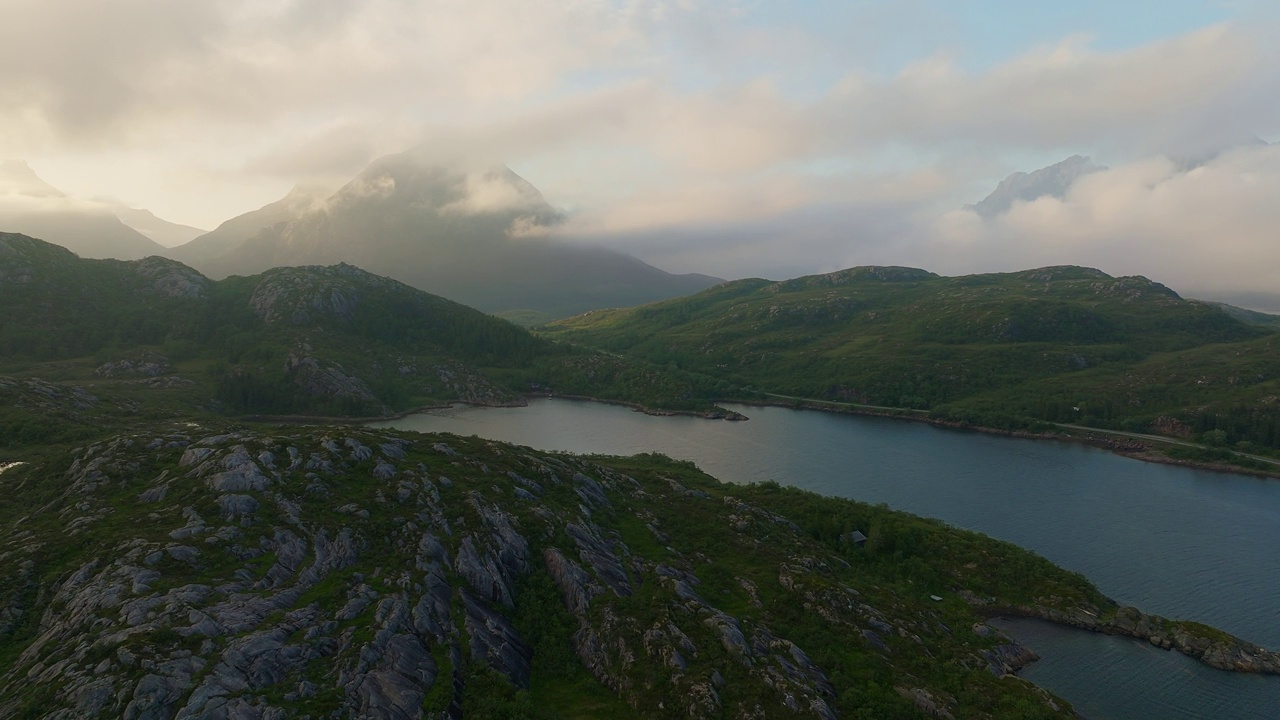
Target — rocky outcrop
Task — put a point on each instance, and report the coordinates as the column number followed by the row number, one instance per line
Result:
column 43, row 395
column 1212, row 647
column 329, row 380
column 145, row 365
column 342, row 573
column 302, row 295
column 172, row 279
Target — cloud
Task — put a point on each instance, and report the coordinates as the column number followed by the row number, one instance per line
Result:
column 669, row 127
column 672, row 155
column 493, row 192
column 1195, row 91
column 14, row 204
column 94, row 72
column 1205, row 231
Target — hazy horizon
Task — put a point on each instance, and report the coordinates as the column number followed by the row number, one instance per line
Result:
column 727, row 138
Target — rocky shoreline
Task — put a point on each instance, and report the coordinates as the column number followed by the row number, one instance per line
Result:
column 1126, row 447
column 1212, row 647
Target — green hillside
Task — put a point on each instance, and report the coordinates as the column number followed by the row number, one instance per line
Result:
column 163, row 561
column 1063, row 344
column 154, row 338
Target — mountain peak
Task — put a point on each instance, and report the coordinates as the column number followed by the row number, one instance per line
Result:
column 460, row 230
column 1052, row 181
column 161, row 231
column 414, row 178
column 37, row 209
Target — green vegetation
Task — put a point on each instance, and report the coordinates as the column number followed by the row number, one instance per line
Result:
column 1252, row 317
column 1012, row 350
column 128, row 342
column 152, row 547
column 675, row 565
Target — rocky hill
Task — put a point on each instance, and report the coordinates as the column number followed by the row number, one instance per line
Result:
column 477, row 237
column 230, row 572
column 280, row 573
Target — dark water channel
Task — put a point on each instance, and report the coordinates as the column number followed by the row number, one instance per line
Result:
column 1173, row 541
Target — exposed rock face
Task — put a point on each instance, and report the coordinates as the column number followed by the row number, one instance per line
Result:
column 1053, row 181
column 301, row 295
column 329, row 380
column 147, row 365
column 45, row 395
column 172, row 279
column 339, row 574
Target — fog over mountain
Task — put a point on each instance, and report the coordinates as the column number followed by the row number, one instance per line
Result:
column 161, row 231
column 30, row 206
column 725, row 138
column 1208, row 231
column 1052, row 181
column 228, row 236
column 478, row 236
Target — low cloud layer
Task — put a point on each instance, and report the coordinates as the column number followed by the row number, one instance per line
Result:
column 707, row 135
column 1210, row 230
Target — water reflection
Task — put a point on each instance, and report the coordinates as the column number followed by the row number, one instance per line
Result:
column 1173, row 541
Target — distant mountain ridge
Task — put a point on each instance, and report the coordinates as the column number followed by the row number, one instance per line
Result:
column 223, row 240
column 1052, row 181
column 478, row 237
column 331, row 340
column 1060, row 344
column 30, row 206
column 159, row 230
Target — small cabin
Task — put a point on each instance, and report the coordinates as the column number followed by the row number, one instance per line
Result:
column 855, row 538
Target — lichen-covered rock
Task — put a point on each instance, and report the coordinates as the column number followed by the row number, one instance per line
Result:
column 336, row 574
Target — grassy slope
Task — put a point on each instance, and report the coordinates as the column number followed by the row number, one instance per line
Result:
column 319, row 340
column 989, row 348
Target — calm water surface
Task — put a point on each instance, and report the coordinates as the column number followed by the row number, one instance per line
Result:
column 1173, row 541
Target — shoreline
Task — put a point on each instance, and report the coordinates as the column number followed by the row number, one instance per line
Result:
column 720, row 414
column 1217, row 649
column 1204, row 644
column 1121, row 444
column 1101, row 439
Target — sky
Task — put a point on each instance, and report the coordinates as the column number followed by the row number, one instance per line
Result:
column 730, row 137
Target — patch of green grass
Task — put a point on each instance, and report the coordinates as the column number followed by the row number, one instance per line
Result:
column 1008, row 350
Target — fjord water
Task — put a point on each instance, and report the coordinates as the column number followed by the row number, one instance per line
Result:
column 1173, row 541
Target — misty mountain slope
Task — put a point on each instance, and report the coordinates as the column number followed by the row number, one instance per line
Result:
column 30, row 206
column 1252, row 317
column 332, row 340
column 230, row 234
column 1065, row 344
column 163, row 232
column 1052, row 181
column 472, row 237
